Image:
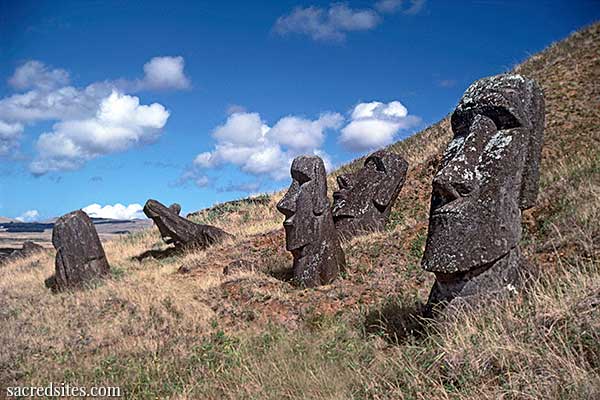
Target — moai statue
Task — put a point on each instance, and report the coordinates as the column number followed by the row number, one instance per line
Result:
column 80, row 257
column 310, row 233
column 181, row 231
column 489, row 174
column 365, row 198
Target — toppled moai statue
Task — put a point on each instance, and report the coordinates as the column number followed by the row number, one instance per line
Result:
column 489, row 173
column 311, row 236
column 80, row 257
column 28, row 248
column 180, row 231
column 365, row 198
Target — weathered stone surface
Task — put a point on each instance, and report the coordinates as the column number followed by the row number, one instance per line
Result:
column 180, row 231
column 311, row 236
column 365, row 198
column 489, row 174
column 79, row 253
column 176, row 208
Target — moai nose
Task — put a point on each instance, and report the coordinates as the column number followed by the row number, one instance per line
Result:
column 287, row 205
column 450, row 185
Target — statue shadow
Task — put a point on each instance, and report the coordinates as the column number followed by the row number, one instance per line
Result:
column 284, row 274
column 158, row 254
column 398, row 321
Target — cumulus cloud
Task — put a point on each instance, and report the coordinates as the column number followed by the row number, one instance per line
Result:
column 375, row 124
column 9, row 137
column 94, row 120
column 58, row 104
column 327, row 24
column 246, row 141
column 120, row 123
column 118, row 211
column 28, row 216
column 34, row 74
column 165, row 73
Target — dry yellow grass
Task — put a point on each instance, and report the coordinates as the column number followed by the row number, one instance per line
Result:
column 157, row 333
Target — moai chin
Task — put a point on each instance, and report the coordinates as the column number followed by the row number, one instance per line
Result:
column 365, row 198
column 309, row 230
column 489, row 173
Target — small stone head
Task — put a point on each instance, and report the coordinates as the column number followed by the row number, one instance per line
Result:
column 365, row 198
column 305, row 202
column 489, row 174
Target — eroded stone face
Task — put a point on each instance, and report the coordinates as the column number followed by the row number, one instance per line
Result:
column 365, row 198
column 80, row 256
column 180, row 231
column 310, row 233
column 489, row 174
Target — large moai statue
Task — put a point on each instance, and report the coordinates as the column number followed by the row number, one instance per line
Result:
column 80, row 257
column 181, row 231
column 489, row 174
column 311, row 236
column 365, row 198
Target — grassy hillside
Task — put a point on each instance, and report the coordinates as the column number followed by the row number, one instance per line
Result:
column 160, row 333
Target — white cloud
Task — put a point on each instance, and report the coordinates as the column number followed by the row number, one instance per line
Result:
column 28, row 216
column 388, row 6
column 34, row 74
column 246, row 141
column 165, row 73
column 192, row 175
column 59, row 104
column 330, row 24
column 9, row 137
column 91, row 120
column 392, row 6
column 118, row 211
column 301, row 134
column 119, row 124
column 375, row 124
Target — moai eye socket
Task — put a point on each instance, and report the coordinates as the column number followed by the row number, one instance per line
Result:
column 300, row 176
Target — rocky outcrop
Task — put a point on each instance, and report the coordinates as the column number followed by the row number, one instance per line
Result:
column 311, row 236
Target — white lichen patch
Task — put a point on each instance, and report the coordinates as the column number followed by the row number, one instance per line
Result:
column 495, row 147
column 455, row 145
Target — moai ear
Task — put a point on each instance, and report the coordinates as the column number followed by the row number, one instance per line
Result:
column 319, row 195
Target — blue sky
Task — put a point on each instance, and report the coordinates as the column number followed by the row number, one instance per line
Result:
column 113, row 102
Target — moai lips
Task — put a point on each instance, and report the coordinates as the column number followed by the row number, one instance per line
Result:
column 489, row 174
column 365, row 198
column 311, row 236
